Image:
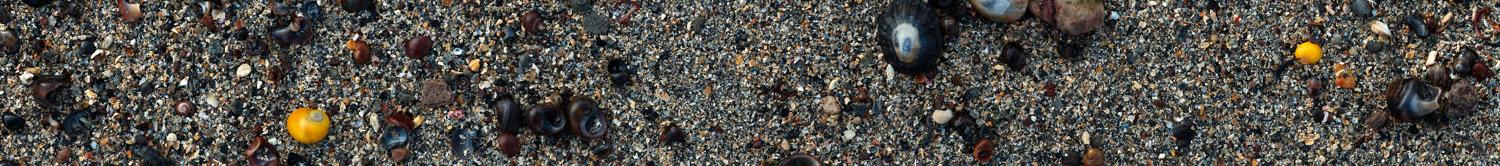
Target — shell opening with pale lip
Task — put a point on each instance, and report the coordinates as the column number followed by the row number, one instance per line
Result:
column 1420, row 98
column 316, row 117
column 907, row 41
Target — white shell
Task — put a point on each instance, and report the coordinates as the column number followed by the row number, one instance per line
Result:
column 1380, row 28
column 1000, row 10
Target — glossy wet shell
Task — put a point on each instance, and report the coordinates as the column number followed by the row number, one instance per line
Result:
column 910, row 37
column 1000, row 10
column 308, row 125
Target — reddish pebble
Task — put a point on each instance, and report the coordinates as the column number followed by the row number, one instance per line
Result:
column 418, row 47
column 510, row 145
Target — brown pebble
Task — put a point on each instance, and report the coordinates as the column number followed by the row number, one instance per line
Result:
column 510, row 145
column 1094, row 157
column 64, row 154
column 757, row 143
column 436, row 92
column 1315, row 87
column 399, row 155
column 1050, row 89
column 531, row 22
column 418, row 47
column 361, row 51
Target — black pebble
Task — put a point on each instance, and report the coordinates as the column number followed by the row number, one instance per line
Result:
column 618, row 72
column 1014, row 56
column 1361, row 8
column 1417, row 25
column 1184, row 134
column 13, row 121
column 86, row 48
column 37, row 3
column 294, row 159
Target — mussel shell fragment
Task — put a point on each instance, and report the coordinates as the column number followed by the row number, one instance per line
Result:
column 1411, row 99
column 51, row 91
column 546, row 120
column 77, row 123
column 299, row 31
column 1466, row 62
column 587, row 119
column 463, row 142
column 911, row 37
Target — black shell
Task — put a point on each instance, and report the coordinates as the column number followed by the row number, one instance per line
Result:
column 923, row 54
column 1412, row 99
column 546, row 119
column 511, row 117
column 587, row 120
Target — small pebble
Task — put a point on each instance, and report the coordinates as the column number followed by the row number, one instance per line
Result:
column 13, row 121
column 1361, row 8
column 418, row 47
column 1094, row 157
column 942, row 116
column 830, row 105
column 848, row 134
column 243, row 70
column 1417, row 25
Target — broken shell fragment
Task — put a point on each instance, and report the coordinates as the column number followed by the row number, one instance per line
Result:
column 131, row 12
column 1411, row 99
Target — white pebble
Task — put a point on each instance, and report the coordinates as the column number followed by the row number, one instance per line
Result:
column 848, row 134
column 26, row 77
column 243, row 71
column 942, row 116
